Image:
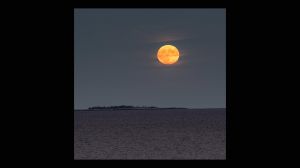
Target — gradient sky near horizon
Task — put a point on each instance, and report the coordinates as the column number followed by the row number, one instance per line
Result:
column 115, row 57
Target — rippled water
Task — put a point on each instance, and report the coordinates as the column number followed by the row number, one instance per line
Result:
column 150, row 134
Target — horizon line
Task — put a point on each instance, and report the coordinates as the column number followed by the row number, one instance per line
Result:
column 160, row 108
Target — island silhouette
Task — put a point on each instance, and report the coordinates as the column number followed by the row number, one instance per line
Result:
column 129, row 107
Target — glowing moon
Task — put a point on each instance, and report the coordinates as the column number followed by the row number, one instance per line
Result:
column 168, row 54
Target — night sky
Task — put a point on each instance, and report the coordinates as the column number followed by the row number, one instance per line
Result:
column 115, row 57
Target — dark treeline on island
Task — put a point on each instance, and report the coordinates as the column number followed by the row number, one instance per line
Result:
column 124, row 107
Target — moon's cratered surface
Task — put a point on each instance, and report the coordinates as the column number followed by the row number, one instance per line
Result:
column 168, row 54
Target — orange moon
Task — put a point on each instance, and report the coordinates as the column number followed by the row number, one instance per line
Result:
column 168, row 54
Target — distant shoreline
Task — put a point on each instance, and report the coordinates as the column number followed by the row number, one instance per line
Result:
column 146, row 109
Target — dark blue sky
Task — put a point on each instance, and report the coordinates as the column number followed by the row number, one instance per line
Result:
column 116, row 64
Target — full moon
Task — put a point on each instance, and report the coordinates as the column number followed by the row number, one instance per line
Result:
column 168, row 54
